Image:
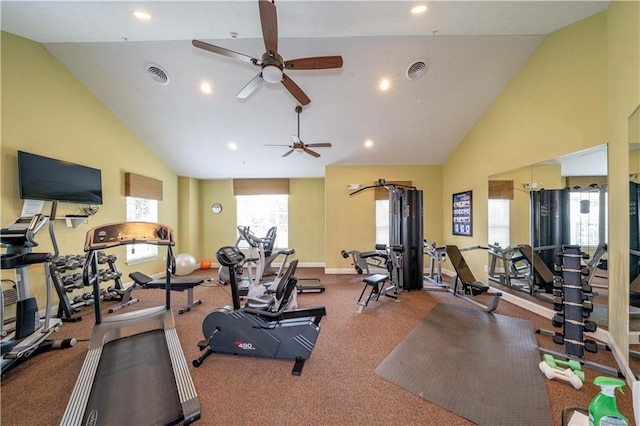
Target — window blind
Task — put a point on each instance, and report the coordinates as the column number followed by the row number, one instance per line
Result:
column 260, row 186
column 142, row 187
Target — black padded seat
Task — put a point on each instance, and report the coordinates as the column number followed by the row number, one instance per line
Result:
column 273, row 301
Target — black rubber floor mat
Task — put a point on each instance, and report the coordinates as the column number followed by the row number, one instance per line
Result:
column 483, row 367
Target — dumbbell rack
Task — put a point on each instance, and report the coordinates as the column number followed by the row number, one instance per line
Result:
column 572, row 299
column 67, row 280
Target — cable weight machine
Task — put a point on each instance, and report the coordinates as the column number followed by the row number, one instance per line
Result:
column 405, row 229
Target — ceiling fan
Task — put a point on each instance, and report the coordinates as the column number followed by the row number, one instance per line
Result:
column 271, row 63
column 299, row 146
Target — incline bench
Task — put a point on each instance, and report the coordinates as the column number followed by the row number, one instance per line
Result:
column 469, row 283
column 540, row 269
column 177, row 284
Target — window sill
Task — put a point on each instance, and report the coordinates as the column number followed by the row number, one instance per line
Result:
column 142, row 260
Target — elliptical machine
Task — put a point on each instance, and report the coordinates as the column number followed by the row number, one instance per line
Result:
column 31, row 332
column 259, row 332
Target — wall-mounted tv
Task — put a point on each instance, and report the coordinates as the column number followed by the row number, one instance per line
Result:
column 43, row 178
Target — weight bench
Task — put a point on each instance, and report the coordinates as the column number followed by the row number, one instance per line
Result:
column 376, row 282
column 177, row 284
column 469, row 283
column 540, row 269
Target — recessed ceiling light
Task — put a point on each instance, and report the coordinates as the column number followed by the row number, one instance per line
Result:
column 384, row 84
column 206, row 87
column 232, row 145
column 368, row 143
column 418, row 10
column 141, row 15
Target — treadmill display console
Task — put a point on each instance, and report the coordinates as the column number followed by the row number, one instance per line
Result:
column 116, row 234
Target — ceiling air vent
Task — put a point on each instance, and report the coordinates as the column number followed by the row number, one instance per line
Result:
column 157, row 74
column 417, row 69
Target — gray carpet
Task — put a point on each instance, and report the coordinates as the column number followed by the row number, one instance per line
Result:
column 483, row 367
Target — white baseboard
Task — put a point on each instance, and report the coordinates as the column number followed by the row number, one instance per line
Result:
column 352, row 271
column 339, row 271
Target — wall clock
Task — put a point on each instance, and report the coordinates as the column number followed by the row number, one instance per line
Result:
column 216, row 208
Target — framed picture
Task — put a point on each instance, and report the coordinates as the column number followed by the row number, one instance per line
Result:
column 462, row 214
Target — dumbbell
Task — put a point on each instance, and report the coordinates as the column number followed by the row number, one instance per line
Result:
column 64, row 263
column 587, row 306
column 68, row 279
column 552, row 370
column 569, row 363
column 107, row 295
column 589, row 345
column 558, row 303
column 559, row 320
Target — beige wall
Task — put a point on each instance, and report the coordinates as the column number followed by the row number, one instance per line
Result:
column 555, row 104
column 574, row 92
column 188, row 238
column 306, row 218
column 47, row 111
column 350, row 220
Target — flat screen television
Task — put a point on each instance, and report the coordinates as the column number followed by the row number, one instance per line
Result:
column 43, row 178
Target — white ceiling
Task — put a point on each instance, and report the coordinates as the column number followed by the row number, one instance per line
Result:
column 473, row 49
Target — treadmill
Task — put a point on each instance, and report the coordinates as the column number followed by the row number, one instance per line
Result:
column 135, row 371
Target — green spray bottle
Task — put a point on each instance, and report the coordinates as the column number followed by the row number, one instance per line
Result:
column 603, row 410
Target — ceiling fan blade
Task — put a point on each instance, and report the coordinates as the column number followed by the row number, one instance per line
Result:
column 250, row 87
column 276, row 144
column 226, row 52
column 308, row 151
column 295, row 139
column 296, row 91
column 288, row 152
column 320, row 145
column 269, row 21
column 316, row 63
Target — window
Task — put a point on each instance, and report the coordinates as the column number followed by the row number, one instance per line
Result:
column 144, row 210
column 499, row 222
column 585, row 220
column 261, row 212
column 382, row 222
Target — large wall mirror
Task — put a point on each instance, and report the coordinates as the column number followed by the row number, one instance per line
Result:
column 536, row 209
column 634, row 229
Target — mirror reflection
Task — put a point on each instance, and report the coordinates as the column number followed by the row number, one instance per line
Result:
column 634, row 224
column 535, row 210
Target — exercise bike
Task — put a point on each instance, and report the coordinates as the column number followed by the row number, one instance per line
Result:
column 268, row 331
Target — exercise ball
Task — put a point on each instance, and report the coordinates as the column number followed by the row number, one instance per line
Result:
column 205, row 264
column 185, row 264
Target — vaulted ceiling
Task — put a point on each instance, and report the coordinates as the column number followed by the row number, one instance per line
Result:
column 470, row 50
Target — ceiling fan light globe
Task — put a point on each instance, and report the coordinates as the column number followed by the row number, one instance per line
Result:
column 298, row 150
column 272, row 74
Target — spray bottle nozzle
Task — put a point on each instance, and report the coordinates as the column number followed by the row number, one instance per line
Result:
column 609, row 384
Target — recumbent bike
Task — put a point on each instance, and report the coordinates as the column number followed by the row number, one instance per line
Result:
column 264, row 330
